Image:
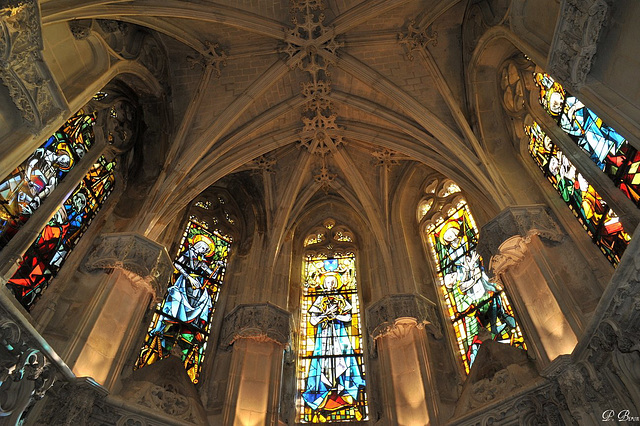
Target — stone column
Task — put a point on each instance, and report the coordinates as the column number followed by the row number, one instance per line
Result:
column 259, row 334
column 128, row 271
column 551, row 285
column 399, row 324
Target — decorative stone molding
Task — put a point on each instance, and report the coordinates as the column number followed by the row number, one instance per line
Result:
column 575, row 40
column 415, row 39
column 22, row 68
column 25, row 372
column 523, row 221
column 388, row 314
column 263, row 321
column 145, row 261
column 387, row 158
column 168, row 400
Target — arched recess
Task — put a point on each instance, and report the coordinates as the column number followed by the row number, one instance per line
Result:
column 484, row 82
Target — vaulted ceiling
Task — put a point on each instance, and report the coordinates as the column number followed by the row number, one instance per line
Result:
column 333, row 96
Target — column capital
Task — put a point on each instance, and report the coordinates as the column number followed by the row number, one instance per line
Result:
column 393, row 313
column 575, row 40
column 262, row 321
column 503, row 239
column 144, row 261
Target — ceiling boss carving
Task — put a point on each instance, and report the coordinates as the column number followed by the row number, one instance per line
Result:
column 320, row 134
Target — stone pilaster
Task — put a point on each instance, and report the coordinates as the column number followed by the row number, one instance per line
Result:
column 259, row 334
column 525, row 245
column 398, row 324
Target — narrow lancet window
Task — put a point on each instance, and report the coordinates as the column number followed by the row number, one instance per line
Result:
column 24, row 189
column 473, row 302
column 611, row 152
column 182, row 322
column 44, row 258
column 331, row 372
column 598, row 219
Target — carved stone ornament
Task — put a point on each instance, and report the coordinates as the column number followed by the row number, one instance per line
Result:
column 25, row 373
column 522, row 221
column 145, row 261
column 214, row 56
column 80, row 28
column 575, row 40
column 388, row 314
column 22, row 68
column 415, row 39
column 512, row 252
column 260, row 321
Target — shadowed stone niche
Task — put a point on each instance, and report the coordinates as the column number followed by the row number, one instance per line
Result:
column 143, row 261
column 553, row 289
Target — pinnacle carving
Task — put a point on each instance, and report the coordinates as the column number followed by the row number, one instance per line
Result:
column 415, row 39
column 214, row 57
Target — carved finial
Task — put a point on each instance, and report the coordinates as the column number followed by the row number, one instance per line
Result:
column 415, row 39
column 324, row 178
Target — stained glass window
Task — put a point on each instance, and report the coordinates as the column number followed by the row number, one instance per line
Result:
column 600, row 221
column 24, row 189
column 606, row 147
column 182, row 321
column 331, row 373
column 42, row 261
column 472, row 300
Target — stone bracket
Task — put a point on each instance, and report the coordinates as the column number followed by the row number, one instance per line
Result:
column 390, row 313
column 22, row 68
column 142, row 259
column 262, row 321
column 575, row 40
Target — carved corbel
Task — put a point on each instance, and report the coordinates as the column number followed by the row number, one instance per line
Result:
column 520, row 221
column 145, row 262
column 511, row 252
column 22, row 68
column 261, row 322
column 575, row 40
column 396, row 314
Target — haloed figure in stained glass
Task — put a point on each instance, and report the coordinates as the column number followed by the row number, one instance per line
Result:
column 472, row 293
column 188, row 300
column 334, row 378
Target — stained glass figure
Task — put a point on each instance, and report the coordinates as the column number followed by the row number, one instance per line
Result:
column 607, row 148
column 182, row 321
column 22, row 191
column 473, row 301
column 331, row 379
column 600, row 222
column 42, row 261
